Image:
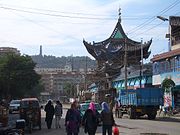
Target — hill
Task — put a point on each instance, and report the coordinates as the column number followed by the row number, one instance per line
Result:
column 75, row 62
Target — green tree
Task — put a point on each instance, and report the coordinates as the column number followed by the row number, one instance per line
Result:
column 17, row 76
column 167, row 84
column 69, row 89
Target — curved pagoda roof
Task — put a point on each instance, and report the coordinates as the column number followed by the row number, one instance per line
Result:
column 112, row 50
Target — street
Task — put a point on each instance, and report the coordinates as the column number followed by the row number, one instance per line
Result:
column 142, row 126
column 163, row 126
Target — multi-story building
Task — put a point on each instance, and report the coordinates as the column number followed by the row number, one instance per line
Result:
column 8, row 50
column 55, row 82
column 167, row 65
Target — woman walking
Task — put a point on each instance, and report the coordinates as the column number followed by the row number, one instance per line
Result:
column 72, row 120
column 107, row 119
column 90, row 119
column 49, row 109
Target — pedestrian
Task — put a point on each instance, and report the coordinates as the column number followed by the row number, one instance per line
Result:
column 49, row 109
column 160, row 109
column 90, row 119
column 58, row 113
column 73, row 120
column 107, row 119
column 117, row 107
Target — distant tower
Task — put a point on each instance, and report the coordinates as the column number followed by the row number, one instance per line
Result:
column 40, row 53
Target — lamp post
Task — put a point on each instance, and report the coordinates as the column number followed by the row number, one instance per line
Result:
column 162, row 18
column 167, row 35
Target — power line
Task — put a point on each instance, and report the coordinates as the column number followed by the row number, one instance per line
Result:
column 176, row 31
column 56, row 15
column 148, row 29
column 153, row 18
column 55, row 11
column 71, row 16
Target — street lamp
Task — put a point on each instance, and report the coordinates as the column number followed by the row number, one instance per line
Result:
column 162, row 18
column 167, row 35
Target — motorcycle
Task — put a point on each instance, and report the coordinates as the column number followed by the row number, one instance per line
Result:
column 19, row 130
column 12, row 132
column 30, row 120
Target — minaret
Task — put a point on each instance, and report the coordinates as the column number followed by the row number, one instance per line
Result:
column 40, row 53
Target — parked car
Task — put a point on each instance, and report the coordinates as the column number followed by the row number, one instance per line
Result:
column 30, row 110
column 14, row 106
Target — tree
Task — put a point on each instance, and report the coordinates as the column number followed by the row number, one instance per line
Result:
column 17, row 76
column 167, row 84
column 70, row 89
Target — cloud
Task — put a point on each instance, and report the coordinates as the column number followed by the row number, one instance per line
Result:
column 66, row 32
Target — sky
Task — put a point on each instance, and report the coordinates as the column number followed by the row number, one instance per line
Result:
column 61, row 25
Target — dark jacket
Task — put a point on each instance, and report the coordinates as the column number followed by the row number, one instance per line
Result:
column 58, row 110
column 107, row 118
column 72, row 121
column 90, row 121
column 49, row 109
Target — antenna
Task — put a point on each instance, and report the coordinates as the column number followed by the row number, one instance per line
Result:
column 119, row 10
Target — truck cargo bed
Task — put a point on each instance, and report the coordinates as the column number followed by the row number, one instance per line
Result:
column 142, row 97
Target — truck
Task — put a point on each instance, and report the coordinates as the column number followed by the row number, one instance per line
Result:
column 139, row 102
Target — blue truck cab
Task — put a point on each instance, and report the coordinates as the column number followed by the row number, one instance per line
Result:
column 139, row 102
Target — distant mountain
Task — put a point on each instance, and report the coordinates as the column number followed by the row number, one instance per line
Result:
column 76, row 63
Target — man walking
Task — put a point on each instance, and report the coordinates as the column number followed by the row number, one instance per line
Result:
column 49, row 109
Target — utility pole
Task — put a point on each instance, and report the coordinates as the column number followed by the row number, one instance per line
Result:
column 85, row 77
column 141, row 64
column 125, row 64
column 125, row 69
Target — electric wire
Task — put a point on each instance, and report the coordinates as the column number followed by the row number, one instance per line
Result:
column 71, row 16
column 57, row 15
column 153, row 18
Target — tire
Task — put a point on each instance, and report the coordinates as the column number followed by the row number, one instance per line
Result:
column 30, row 127
column 39, row 125
column 132, row 113
column 151, row 116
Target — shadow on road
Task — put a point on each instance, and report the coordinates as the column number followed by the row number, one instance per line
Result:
column 168, row 119
column 163, row 119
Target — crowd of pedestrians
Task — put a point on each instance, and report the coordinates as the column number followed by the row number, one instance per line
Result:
column 73, row 119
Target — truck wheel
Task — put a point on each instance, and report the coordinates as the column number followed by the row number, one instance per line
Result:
column 39, row 125
column 30, row 127
column 132, row 113
column 151, row 116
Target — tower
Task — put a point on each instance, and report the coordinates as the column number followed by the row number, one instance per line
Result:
column 40, row 53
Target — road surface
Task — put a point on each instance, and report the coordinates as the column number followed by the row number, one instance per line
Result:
column 142, row 126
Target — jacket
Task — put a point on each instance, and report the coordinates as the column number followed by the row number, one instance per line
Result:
column 107, row 118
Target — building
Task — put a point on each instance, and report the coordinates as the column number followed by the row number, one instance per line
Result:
column 115, row 53
column 134, row 79
column 167, row 65
column 8, row 50
column 55, row 80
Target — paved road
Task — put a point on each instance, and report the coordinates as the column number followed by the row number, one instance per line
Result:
column 160, row 126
